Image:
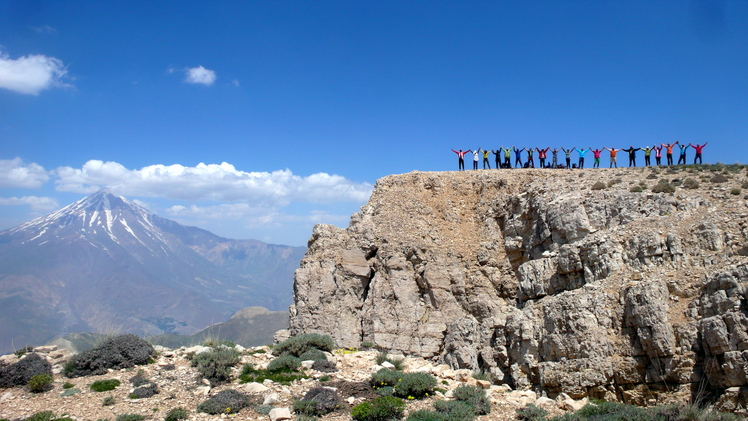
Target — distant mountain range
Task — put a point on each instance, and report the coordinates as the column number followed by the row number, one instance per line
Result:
column 104, row 264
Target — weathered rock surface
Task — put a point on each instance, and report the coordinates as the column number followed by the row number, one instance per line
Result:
column 544, row 283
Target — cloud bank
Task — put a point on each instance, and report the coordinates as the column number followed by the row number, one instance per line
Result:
column 38, row 204
column 31, row 74
column 200, row 75
column 212, row 182
column 15, row 174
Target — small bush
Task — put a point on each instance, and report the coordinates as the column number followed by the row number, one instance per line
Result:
column 474, row 396
column 313, row 355
column 397, row 362
column 415, row 385
column 130, row 417
column 40, row 383
column 383, row 408
column 386, row 391
column 317, row 402
column 23, row 351
column 598, row 186
column 427, row 415
column 324, row 366
column 531, row 413
column 284, row 376
column 139, row 379
column 176, row 414
column 663, row 186
column 68, row 385
column 41, row 416
column 736, row 191
column 455, row 410
column 108, row 401
column 636, row 189
column 367, row 345
column 104, row 385
column 20, row 373
column 228, row 401
column 263, row 409
column 690, row 183
column 298, row 345
column 719, row 178
column 144, row 391
column 215, row 365
column 119, row 352
column 285, row 362
column 612, row 183
column 385, row 377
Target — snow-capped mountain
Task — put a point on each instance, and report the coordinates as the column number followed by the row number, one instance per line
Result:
column 105, row 264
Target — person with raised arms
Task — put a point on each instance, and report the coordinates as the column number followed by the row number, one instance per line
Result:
column 568, row 152
column 596, row 154
column 582, row 152
column 461, row 158
column 669, row 149
column 647, row 152
column 613, row 159
column 698, row 149
column 507, row 157
column 517, row 157
column 485, row 159
column 476, row 156
column 632, row 155
column 530, row 161
column 658, row 154
column 682, row 157
column 554, row 162
column 497, row 157
column 542, row 154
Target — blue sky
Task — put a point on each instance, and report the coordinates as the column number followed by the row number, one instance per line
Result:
column 257, row 119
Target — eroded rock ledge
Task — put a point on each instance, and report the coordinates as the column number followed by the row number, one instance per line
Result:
column 543, row 282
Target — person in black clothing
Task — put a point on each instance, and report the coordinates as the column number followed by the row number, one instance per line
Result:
column 632, row 155
column 497, row 157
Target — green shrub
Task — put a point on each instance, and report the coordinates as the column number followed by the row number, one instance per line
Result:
column 735, row 191
column 313, row 355
column 397, row 362
column 144, row 391
column 386, row 391
column 297, row 345
column 41, row 416
column 474, row 396
column 68, row 385
column 176, row 414
column 324, row 378
column 663, row 186
column 23, row 351
column 228, row 401
column 427, row 415
column 455, row 410
column 263, row 409
column 130, row 417
column 104, row 385
column 40, row 383
column 317, row 401
column 215, row 365
column 285, row 362
column 119, row 352
column 719, row 178
column 383, row 408
column 531, row 413
column 415, row 385
column 108, row 401
column 282, row 376
column 385, row 377
column 598, row 186
column 367, row 345
column 70, row 392
column 21, row 372
column 690, row 183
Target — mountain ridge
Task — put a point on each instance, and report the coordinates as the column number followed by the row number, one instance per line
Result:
column 104, row 263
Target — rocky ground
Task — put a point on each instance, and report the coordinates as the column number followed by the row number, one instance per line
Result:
column 180, row 386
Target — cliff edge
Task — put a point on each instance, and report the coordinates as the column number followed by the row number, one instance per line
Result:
column 624, row 284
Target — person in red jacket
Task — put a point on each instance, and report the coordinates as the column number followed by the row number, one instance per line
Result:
column 698, row 149
column 542, row 153
column 461, row 154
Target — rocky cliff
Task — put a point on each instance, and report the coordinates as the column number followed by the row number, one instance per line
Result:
column 600, row 283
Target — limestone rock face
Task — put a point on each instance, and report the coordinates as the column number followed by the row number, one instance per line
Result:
column 542, row 282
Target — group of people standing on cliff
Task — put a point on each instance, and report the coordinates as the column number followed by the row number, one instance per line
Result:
column 543, row 161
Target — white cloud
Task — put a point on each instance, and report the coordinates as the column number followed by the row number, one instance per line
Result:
column 38, row 204
column 235, row 82
column 31, row 74
column 213, row 182
column 14, row 173
column 44, row 29
column 200, row 74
